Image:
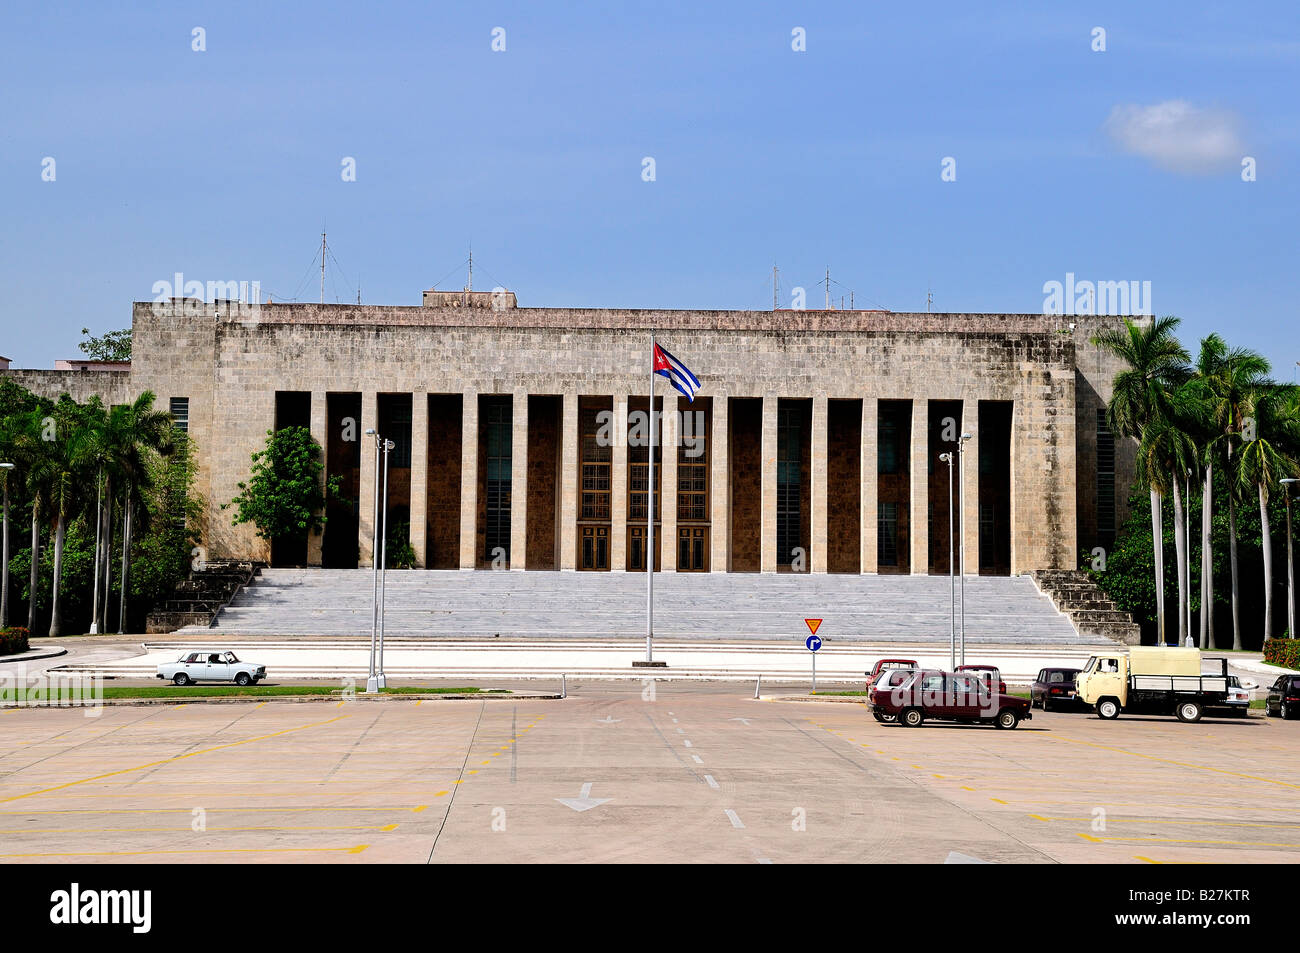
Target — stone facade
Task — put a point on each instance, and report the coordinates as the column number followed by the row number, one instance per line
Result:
column 793, row 431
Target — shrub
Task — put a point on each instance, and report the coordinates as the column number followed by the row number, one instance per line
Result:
column 1283, row 652
column 13, row 640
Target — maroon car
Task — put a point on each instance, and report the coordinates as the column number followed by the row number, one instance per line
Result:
column 885, row 664
column 946, row 696
column 989, row 674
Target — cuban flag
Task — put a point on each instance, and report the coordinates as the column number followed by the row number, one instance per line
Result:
column 678, row 374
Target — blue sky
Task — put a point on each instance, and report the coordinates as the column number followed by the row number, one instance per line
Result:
column 224, row 164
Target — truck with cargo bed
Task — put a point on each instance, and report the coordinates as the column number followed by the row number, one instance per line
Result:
column 1152, row 681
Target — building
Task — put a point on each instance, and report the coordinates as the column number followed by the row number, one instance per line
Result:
column 813, row 444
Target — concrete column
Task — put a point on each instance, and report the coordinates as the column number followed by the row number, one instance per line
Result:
column 817, row 444
column 719, row 488
column 419, row 475
column 970, row 486
column 666, row 531
column 469, row 481
column 618, row 489
column 919, row 521
column 318, row 425
column 518, row 479
column 870, row 483
column 366, row 486
column 767, row 542
column 569, row 483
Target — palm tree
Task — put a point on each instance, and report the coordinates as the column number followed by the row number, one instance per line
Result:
column 1264, row 461
column 1166, row 453
column 33, row 450
column 1140, row 398
column 67, row 467
column 1206, row 373
column 1229, row 393
column 137, row 434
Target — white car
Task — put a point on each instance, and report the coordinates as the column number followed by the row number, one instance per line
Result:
column 213, row 667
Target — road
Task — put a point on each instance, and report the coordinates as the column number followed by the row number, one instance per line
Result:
column 657, row 772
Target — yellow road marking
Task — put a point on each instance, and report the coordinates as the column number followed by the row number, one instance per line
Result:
column 210, row 830
column 152, row 764
column 965, row 788
column 271, row 809
column 1171, row 840
column 485, row 762
column 441, row 793
column 998, row 800
column 417, row 810
column 1181, row 764
column 1142, row 820
column 238, row 850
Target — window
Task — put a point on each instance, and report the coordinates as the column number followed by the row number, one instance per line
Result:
column 497, row 463
column 180, row 409
column 638, row 467
column 988, row 538
column 887, row 534
column 692, row 468
column 1105, row 481
column 595, row 468
column 789, row 462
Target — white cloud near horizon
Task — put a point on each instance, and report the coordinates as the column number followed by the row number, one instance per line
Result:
column 1178, row 136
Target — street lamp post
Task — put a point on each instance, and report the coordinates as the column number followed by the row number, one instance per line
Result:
column 952, row 573
column 372, row 680
column 4, row 572
column 961, row 537
column 381, row 680
column 1290, row 560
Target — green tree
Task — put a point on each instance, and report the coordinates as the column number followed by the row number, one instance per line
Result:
column 1141, row 398
column 113, row 346
column 283, row 496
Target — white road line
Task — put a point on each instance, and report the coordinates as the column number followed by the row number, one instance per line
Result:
column 674, row 721
column 712, row 783
column 681, row 731
column 735, row 821
column 687, row 742
column 698, row 759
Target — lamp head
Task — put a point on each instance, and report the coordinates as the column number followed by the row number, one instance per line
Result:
column 946, row 457
column 967, row 436
column 370, row 431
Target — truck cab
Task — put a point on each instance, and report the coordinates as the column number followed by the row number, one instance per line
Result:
column 1152, row 680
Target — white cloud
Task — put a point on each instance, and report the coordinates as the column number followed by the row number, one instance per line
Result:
column 1178, row 136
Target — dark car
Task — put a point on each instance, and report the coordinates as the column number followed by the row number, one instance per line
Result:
column 1284, row 697
column 887, row 679
column 990, row 675
column 947, row 696
column 884, row 664
column 1054, row 688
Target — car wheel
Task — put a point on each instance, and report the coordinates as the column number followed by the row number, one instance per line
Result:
column 911, row 718
column 243, row 678
column 1108, row 708
column 1189, row 712
column 1007, row 718
column 1045, row 706
column 180, row 678
column 1283, row 711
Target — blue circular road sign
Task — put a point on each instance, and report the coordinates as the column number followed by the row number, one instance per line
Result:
column 813, row 642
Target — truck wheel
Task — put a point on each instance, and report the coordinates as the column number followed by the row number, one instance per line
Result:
column 243, row 678
column 1189, row 712
column 1108, row 708
column 180, row 678
column 911, row 718
column 1008, row 718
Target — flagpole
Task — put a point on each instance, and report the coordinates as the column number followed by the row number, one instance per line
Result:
column 650, row 520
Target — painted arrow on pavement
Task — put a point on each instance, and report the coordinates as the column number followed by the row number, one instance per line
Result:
column 608, row 720
column 584, row 802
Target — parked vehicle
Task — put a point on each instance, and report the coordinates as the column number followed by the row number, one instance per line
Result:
column 1054, row 688
column 887, row 679
column 1152, row 680
column 1283, row 698
column 212, row 666
column 888, row 663
column 989, row 674
column 1236, row 705
column 946, row 696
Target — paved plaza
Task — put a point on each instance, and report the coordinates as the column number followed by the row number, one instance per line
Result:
column 635, row 772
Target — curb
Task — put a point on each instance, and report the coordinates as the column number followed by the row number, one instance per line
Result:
column 834, row 699
column 178, row 701
column 28, row 656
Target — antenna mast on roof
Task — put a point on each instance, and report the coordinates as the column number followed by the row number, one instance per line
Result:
column 322, row 266
column 776, row 288
column 828, row 287
column 470, row 285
